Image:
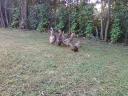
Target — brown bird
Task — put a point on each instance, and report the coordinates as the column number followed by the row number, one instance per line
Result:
column 68, row 40
column 60, row 37
column 68, row 35
column 52, row 37
column 75, row 47
column 77, row 44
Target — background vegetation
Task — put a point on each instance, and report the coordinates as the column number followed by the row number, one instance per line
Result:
column 108, row 23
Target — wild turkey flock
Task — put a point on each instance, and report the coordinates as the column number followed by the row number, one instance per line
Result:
column 61, row 39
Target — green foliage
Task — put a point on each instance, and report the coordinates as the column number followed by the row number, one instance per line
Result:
column 121, row 11
column 43, row 17
column 43, row 25
column 74, row 20
column 74, row 27
column 85, row 16
column 15, row 18
column 86, row 11
column 116, row 31
column 89, row 29
column 60, row 25
column 62, row 15
column 33, row 17
column 81, row 16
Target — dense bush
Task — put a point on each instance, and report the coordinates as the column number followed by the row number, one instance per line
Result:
column 43, row 17
column 15, row 18
column 33, row 17
column 39, row 17
column 81, row 17
column 89, row 29
column 119, row 28
column 63, row 17
column 74, row 20
column 86, row 19
column 43, row 25
column 116, row 31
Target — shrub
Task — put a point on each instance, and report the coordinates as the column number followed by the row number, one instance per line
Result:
column 63, row 16
column 85, row 16
column 89, row 29
column 74, row 20
column 15, row 18
column 116, row 31
column 33, row 17
column 43, row 25
column 43, row 17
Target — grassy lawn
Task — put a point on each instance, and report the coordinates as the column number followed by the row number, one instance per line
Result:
column 29, row 65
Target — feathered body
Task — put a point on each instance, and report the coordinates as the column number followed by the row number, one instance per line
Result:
column 59, row 40
column 68, row 35
column 75, row 47
column 68, row 40
column 52, row 37
column 77, row 44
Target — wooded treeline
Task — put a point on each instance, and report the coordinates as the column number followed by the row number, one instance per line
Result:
column 109, row 23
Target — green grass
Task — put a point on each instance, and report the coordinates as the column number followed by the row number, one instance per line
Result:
column 29, row 65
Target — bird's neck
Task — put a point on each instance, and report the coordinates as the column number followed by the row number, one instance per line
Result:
column 51, row 33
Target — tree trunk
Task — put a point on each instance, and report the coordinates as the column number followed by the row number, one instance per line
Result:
column 106, row 30
column 97, row 36
column 6, row 12
column 102, row 24
column 101, row 33
column 69, row 19
column 108, row 21
column 2, row 22
column 24, row 14
column 126, row 38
